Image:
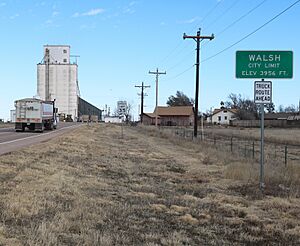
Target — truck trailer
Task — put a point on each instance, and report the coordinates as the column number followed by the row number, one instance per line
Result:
column 35, row 114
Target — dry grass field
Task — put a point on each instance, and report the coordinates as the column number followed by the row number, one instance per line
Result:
column 275, row 135
column 282, row 146
column 100, row 185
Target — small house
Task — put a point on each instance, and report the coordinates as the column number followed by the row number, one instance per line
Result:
column 222, row 116
column 149, row 119
column 170, row 116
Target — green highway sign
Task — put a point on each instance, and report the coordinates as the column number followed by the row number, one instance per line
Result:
column 264, row 64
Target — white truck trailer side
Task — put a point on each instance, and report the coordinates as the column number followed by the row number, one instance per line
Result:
column 12, row 116
column 35, row 114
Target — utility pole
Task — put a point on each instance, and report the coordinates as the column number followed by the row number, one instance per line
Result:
column 198, row 39
column 47, row 71
column 142, row 98
column 156, row 101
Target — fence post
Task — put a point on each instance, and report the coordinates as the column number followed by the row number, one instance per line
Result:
column 231, row 142
column 214, row 140
column 253, row 149
column 285, row 155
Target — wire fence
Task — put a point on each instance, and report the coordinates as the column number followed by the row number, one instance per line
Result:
column 275, row 153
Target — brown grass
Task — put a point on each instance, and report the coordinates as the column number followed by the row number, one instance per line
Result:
column 274, row 135
column 97, row 187
column 6, row 125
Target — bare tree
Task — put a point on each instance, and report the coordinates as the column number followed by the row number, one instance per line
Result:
column 128, row 113
column 116, row 112
column 246, row 108
column 280, row 108
column 288, row 109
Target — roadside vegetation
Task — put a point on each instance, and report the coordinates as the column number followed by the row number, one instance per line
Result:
column 6, row 125
column 107, row 185
column 273, row 135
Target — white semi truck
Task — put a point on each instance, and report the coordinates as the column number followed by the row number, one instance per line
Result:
column 35, row 114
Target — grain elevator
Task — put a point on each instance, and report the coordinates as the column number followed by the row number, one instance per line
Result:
column 57, row 78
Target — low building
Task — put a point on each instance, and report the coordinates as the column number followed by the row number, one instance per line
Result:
column 281, row 120
column 86, row 108
column 170, row 116
column 222, row 116
column 278, row 116
column 113, row 119
column 149, row 119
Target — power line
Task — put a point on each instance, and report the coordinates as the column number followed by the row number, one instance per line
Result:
column 181, row 61
column 205, row 16
column 229, row 26
column 222, row 31
column 196, row 25
column 170, row 53
column 250, row 34
column 238, row 20
column 178, row 75
column 242, row 17
column 224, row 13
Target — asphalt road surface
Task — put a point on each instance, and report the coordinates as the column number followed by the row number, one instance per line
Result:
column 10, row 140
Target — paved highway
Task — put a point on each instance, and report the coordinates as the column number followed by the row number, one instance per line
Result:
column 11, row 140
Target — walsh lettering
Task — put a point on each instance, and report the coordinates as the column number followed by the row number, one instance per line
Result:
column 264, row 58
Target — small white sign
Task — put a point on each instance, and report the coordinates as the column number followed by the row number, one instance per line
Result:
column 263, row 92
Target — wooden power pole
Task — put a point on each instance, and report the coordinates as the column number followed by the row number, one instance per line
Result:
column 156, row 101
column 142, row 98
column 198, row 39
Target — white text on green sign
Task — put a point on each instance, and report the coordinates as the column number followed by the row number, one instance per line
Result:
column 264, row 64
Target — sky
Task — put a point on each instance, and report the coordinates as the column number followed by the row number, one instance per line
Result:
column 120, row 41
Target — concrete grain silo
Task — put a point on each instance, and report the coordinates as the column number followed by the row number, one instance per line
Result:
column 57, row 79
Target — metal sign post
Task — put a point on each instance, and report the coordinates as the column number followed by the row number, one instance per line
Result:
column 263, row 64
column 262, row 96
column 262, row 154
